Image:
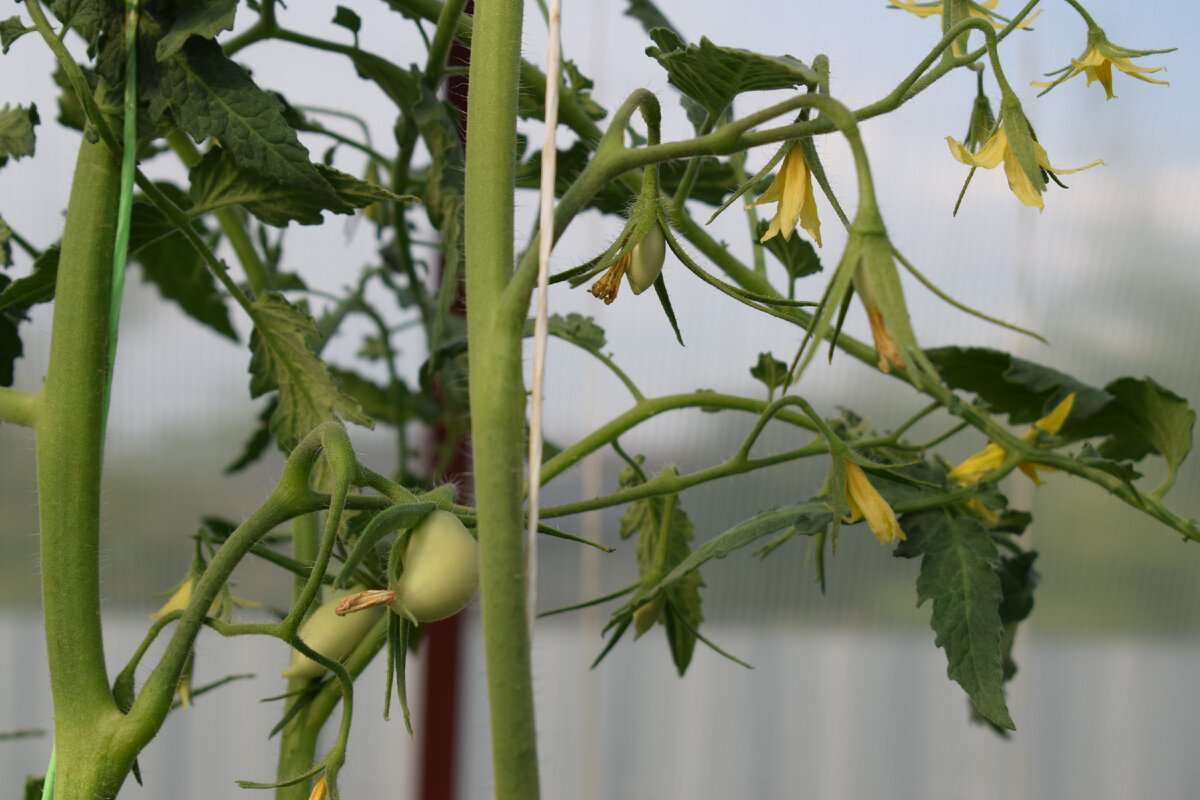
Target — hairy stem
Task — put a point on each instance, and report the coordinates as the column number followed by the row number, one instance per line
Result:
column 497, row 393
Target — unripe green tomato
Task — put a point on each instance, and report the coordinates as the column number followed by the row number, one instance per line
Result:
column 647, row 261
column 330, row 635
column 441, row 570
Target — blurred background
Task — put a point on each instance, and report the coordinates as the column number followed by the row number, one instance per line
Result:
column 849, row 697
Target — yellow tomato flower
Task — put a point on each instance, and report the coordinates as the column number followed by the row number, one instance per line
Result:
column 178, row 601
column 955, row 13
column 997, row 149
column 993, row 456
column 865, row 502
column 1097, row 63
column 792, row 189
column 318, row 792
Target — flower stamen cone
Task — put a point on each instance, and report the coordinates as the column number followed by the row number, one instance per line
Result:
column 319, row 791
column 792, row 189
column 866, row 503
column 364, row 600
column 610, row 282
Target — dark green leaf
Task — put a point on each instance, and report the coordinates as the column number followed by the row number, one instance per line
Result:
column 958, row 574
column 256, row 445
column 648, row 14
column 1018, row 579
column 1137, row 417
column 713, row 76
column 205, row 20
column 347, row 19
column 770, row 371
column 210, row 96
column 282, row 360
column 217, row 181
column 400, row 85
column 16, row 132
column 172, row 264
column 796, row 253
column 34, row 787
column 1021, row 389
column 657, row 557
column 1162, row 420
column 6, row 234
column 11, row 29
column 37, row 287
column 10, row 342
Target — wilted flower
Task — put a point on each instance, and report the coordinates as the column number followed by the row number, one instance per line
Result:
column 866, row 502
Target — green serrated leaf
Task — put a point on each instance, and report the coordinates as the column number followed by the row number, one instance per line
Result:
column 11, row 29
column 796, row 253
column 282, row 360
column 806, row 519
column 1137, row 416
column 17, row 139
column 205, row 20
column 578, row 329
column 212, row 97
column 347, row 19
column 652, row 519
column 958, row 573
column 771, row 371
column 217, row 181
column 1161, row 418
column 172, row 264
column 713, row 76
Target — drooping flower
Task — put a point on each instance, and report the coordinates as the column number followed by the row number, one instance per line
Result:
column 792, row 189
column 993, row 456
column 1025, row 161
column 955, row 11
column 866, row 502
column 1098, row 60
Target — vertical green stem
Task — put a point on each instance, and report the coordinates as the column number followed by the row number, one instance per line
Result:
column 69, row 435
column 497, row 392
column 298, row 741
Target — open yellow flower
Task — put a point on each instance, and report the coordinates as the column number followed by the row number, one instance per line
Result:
column 997, row 149
column 792, row 189
column 866, row 502
column 1098, row 60
column 954, row 11
column 993, row 456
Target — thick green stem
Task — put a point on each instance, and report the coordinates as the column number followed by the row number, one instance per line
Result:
column 497, row 393
column 298, row 741
column 69, row 458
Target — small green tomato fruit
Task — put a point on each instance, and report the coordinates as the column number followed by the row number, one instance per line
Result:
column 441, row 570
column 330, row 635
column 647, row 261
